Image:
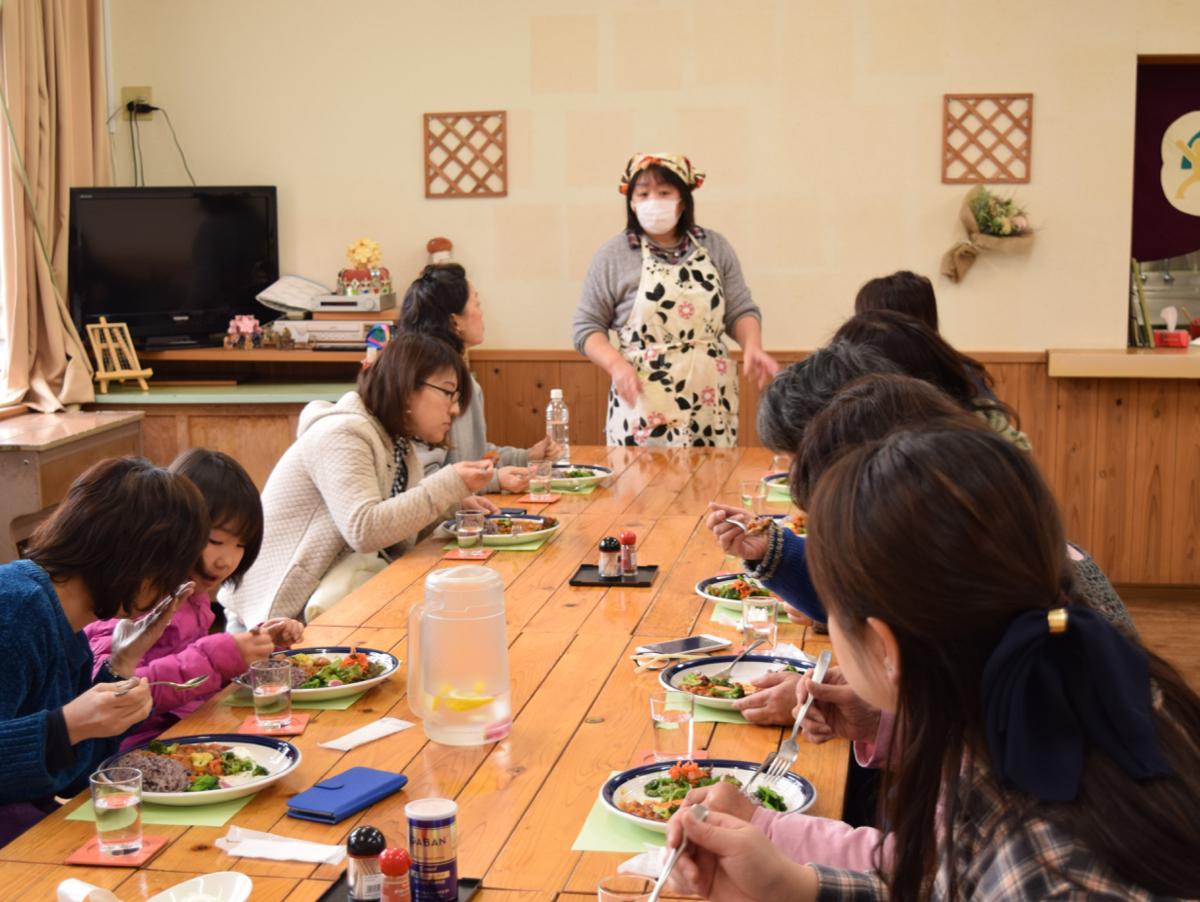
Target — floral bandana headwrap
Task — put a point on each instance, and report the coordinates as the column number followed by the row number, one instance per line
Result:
column 677, row 163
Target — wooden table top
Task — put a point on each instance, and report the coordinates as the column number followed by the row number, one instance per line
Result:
column 579, row 708
column 43, row 431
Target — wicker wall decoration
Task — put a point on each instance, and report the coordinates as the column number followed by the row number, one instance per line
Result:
column 466, row 154
column 986, row 138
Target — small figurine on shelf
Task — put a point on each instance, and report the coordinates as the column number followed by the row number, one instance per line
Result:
column 439, row 250
column 364, row 275
column 244, row 333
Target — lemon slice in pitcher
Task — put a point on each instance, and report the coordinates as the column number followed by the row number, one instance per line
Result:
column 455, row 700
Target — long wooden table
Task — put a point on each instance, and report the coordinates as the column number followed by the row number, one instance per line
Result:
column 580, row 711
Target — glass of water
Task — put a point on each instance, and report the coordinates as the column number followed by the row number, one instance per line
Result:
column 468, row 526
column 271, row 682
column 624, row 888
column 539, row 477
column 754, row 494
column 117, row 801
column 671, row 715
column 780, row 463
column 760, row 620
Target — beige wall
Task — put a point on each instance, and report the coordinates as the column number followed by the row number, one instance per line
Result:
column 818, row 124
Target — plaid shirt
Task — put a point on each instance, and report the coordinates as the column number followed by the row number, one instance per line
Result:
column 999, row 856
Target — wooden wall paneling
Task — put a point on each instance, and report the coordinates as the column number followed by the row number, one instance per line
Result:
column 160, row 438
column 1156, row 427
column 1185, row 525
column 1007, row 383
column 255, row 440
column 1075, row 456
column 516, row 400
column 586, row 399
column 1112, row 493
column 1037, row 404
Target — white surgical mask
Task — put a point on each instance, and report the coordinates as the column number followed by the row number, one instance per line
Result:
column 657, row 215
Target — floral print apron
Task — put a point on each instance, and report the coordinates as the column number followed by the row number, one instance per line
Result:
column 674, row 341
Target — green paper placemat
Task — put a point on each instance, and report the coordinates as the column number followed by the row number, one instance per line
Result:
column 214, row 815
column 582, row 490
column 524, row 546
column 731, row 615
column 779, row 493
column 706, row 714
column 603, row 831
column 241, row 698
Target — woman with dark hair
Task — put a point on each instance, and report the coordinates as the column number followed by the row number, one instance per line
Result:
column 904, row 292
column 923, row 354
column 125, row 535
column 351, row 487
column 1039, row 752
column 188, row 648
column 441, row 302
column 671, row 290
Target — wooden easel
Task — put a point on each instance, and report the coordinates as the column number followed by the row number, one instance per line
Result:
column 116, row 360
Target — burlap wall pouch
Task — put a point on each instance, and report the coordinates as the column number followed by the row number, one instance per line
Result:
column 957, row 261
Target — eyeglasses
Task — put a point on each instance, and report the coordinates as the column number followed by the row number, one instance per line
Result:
column 453, row 396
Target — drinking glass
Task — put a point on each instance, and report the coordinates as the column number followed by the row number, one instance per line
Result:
column 468, row 526
column 539, row 477
column 780, row 463
column 753, row 495
column 671, row 715
column 760, row 620
column 624, row 888
column 117, row 800
column 271, row 683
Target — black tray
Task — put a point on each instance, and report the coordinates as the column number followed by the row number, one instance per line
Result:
column 589, row 575
column 339, row 892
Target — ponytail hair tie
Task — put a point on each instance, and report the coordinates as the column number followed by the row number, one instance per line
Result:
column 1058, row 682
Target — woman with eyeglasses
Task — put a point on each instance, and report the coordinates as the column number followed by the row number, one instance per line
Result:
column 350, row 493
column 441, row 302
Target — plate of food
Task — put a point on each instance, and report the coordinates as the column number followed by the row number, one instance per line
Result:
column 693, row 677
column 333, row 671
column 215, row 767
column 501, row 529
column 732, row 588
column 577, row 476
column 777, row 481
column 649, row 795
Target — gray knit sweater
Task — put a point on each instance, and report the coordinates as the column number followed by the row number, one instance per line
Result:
column 611, row 283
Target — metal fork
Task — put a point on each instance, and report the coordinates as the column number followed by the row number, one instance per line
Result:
column 699, row 811
column 778, row 763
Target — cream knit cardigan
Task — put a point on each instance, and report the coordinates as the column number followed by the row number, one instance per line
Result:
column 331, row 495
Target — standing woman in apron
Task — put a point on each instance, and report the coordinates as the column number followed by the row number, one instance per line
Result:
column 671, row 291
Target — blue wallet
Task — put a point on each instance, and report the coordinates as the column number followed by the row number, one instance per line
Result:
column 336, row 798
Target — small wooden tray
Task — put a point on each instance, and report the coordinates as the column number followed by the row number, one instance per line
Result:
column 589, row 575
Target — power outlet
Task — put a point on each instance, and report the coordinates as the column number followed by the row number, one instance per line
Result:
column 139, row 93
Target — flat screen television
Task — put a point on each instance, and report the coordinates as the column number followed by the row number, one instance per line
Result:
column 175, row 264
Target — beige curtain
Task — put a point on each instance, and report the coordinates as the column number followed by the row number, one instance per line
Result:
column 53, row 71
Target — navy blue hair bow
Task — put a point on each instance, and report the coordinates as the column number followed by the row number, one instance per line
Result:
column 1061, row 680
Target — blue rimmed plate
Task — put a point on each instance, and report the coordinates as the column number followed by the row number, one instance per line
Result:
column 776, row 481
column 705, row 588
column 746, row 670
column 389, row 662
column 596, row 475
column 628, row 787
column 532, row 528
column 278, row 756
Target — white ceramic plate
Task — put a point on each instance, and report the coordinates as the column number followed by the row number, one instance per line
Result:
column 279, row 758
column 777, row 481
column 222, row 886
column 747, row 670
column 499, row 541
column 798, row 793
column 599, row 474
column 703, row 587
column 390, row 664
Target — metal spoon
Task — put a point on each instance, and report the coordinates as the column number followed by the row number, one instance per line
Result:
column 700, row 812
column 728, row 668
column 190, row 684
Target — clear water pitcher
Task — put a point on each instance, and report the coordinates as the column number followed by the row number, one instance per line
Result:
column 458, row 657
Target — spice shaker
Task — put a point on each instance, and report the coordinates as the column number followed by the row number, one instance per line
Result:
column 433, row 843
column 363, row 875
column 395, row 863
column 610, row 558
column 628, row 541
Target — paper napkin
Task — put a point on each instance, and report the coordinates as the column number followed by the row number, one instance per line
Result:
column 254, row 844
column 385, row 726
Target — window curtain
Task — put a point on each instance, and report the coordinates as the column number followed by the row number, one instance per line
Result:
column 54, row 88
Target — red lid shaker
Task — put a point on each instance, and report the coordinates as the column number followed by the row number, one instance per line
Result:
column 628, row 542
column 395, row 863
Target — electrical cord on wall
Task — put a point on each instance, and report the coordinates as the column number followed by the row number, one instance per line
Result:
column 175, row 138
column 141, row 106
column 138, row 157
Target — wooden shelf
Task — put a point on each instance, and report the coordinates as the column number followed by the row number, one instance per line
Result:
column 1122, row 363
column 258, row 355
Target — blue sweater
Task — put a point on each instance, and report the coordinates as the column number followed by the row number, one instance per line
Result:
column 48, row 664
column 789, row 579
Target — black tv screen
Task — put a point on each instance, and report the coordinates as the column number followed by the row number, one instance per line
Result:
column 175, row 264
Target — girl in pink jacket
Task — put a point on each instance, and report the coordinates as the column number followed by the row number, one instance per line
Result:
column 187, row 649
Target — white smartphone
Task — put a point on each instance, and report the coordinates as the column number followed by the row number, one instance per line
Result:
column 686, row 646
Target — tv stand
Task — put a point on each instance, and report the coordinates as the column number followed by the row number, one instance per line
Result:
column 168, row 342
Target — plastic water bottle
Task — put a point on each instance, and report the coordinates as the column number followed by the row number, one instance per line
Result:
column 558, row 425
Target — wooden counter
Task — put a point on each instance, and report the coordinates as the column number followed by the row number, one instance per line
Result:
column 1125, row 363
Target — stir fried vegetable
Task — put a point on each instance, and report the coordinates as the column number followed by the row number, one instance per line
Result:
column 721, row 687
column 322, row 670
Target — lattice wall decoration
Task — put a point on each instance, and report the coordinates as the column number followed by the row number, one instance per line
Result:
column 986, row 138
column 466, row 154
